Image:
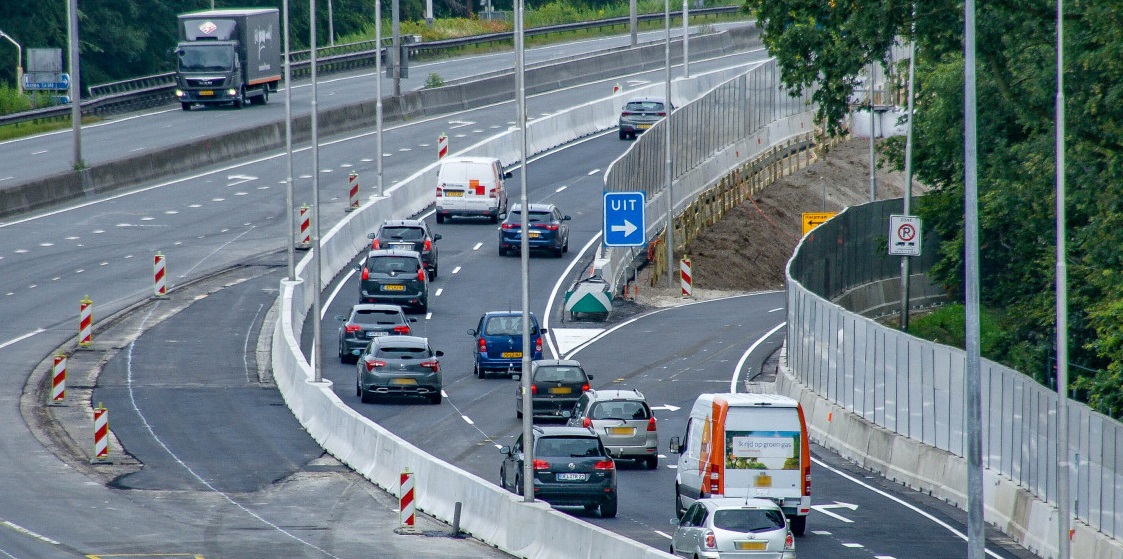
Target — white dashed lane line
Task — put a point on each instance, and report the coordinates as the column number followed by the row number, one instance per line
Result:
column 477, row 247
column 456, row 270
column 439, row 291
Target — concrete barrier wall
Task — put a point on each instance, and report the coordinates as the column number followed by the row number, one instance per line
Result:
column 191, row 156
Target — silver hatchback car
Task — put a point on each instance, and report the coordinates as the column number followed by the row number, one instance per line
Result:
column 623, row 421
column 727, row 528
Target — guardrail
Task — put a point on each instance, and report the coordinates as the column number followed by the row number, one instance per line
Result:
column 156, row 90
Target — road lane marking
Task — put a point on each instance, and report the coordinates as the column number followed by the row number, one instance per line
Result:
column 777, row 309
column 29, row 533
column 20, row 338
column 593, row 172
column 456, row 270
column 664, row 534
column 745, row 356
column 560, row 188
column 477, row 247
column 825, row 510
column 439, row 291
column 468, row 420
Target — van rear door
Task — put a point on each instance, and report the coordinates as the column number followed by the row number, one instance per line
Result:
column 762, row 452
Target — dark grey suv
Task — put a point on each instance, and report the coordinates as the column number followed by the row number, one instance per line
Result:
column 408, row 234
column 395, row 277
column 555, row 386
column 571, row 468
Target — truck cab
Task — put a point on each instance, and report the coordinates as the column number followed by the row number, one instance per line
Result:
column 227, row 56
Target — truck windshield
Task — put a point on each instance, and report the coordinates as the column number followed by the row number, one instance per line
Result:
column 196, row 58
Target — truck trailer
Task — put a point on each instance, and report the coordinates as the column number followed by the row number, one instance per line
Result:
column 230, row 56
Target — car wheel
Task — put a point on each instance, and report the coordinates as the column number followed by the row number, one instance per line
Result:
column 423, row 307
column 652, row 462
column 440, row 218
column 435, row 398
column 241, row 101
column 365, row 396
column 495, row 217
column 565, row 247
column 608, row 508
column 518, row 485
column 358, row 388
column 679, row 508
column 185, row 106
column 623, row 135
column 518, row 413
column 264, row 99
column 433, row 274
column 480, row 373
column 558, row 253
column 502, row 251
column 798, row 525
column 591, row 508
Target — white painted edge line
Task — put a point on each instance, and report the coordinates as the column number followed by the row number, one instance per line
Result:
column 21, row 338
column 745, row 356
column 554, row 293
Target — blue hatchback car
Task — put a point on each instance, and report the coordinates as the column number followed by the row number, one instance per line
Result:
column 498, row 342
column 547, row 230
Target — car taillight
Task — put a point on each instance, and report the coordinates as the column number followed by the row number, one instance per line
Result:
column 493, row 193
column 711, row 540
column 427, row 246
column 402, row 329
column 789, row 542
column 432, row 364
column 807, row 483
column 549, row 227
column 604, row 465
column 373, row 364
column 440, row 190
column 510, row 226
column 586, row 423
column 715, row 483
column 534, row 389
column 421, row 274
column 627, row 113
column 661, row 114
column 541, row 465
column 375, row 244
column 366, row 274
column 483, row 345
column 352, row 328
column 651, row 424
column 538, row 344
column 585, row 387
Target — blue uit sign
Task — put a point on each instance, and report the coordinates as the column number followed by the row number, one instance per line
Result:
column 625, row 223
column 46, row 81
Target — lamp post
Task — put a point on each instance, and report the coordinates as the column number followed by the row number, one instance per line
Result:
column 19, row 62
column 667, row 148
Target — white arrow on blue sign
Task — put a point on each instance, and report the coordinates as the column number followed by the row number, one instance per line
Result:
column 625, row 222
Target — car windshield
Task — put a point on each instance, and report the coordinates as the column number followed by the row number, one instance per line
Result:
column 532, row 217
column 568, row 446
column 379, row 316
column 403, row 233
column 559, row 374
column 644, row 106
column 507, row 326
column 195, row 58
column 393, row 265
column 748, row 520
column 402, row 352
column 621, row 409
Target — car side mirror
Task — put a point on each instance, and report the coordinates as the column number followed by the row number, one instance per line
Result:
column 412, row 319
column 471, row 331
column 370, row 236
column 505, row 450
column 590, row 377
column 675, row 445
column 436, row 236
column 508, row 174
column 340, row 317
column 566, row 218
column 543, row 331
column 439, row 353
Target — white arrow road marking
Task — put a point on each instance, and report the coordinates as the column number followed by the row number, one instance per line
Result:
column 837, row 505
column 460, row 123
column 667, row 407
column 239, row 179
column 628, row 228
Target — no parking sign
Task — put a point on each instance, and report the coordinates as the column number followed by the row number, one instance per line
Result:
column 904, row 235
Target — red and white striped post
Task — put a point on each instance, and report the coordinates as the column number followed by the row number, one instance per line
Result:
column 405, row 504
column 85, row 322
column 353, row 198
column 616, row 88
column 686, row 279
column 159, row 276
column 58, row 380
column 305, row 227
column 442, row 146
column 101, row 433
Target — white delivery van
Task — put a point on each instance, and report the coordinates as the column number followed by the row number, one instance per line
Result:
column 745, row 445
column 471, row 186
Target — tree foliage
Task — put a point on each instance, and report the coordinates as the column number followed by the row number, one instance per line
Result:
column 826, row 44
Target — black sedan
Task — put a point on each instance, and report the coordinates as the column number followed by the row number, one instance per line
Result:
column 368, row 321
column 571, row 468
column 546, row 229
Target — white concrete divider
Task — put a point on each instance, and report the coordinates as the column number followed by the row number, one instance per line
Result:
column 489, row 512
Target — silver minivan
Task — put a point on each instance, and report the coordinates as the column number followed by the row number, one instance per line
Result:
column 623, row 421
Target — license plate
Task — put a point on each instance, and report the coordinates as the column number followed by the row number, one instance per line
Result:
column 570, row 476
column 533, row 235
column 561, row 390
column 394, row 287
column 624, row 431
column 643, row 126
column 750, row 546
column 511, row 354
column 407, row 246
column 454, row 194
column 762, row 480
column 206, row 92
column 403, row 382
column 375, row 334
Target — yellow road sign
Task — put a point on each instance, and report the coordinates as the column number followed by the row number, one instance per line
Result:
column 812, row 220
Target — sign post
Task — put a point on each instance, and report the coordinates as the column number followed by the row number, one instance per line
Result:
column 625, row 221
column 904, row 235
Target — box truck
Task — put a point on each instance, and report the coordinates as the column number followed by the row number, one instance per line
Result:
column 228, row 56
column 745, row 445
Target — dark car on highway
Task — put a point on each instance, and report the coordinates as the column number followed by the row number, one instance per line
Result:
column 546, row 230
column 396, row 277
column 498, row 343
column 641, row 113
column 368, row 321
column 399, row 365
column 408, row 234
column 571, row 468
column 555, row 386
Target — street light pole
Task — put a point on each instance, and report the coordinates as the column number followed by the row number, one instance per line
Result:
column 1064, row 550
column 288, row 150
column 667, row 149
column 75, row 83
column 524, row 262
column 317, row 349
column 378, row 91
column 19, row 62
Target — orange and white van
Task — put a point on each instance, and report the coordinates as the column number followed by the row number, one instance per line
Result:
column 746, row 445
column 471, row 187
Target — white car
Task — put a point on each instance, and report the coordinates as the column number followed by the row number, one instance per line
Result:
column 727, row 527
